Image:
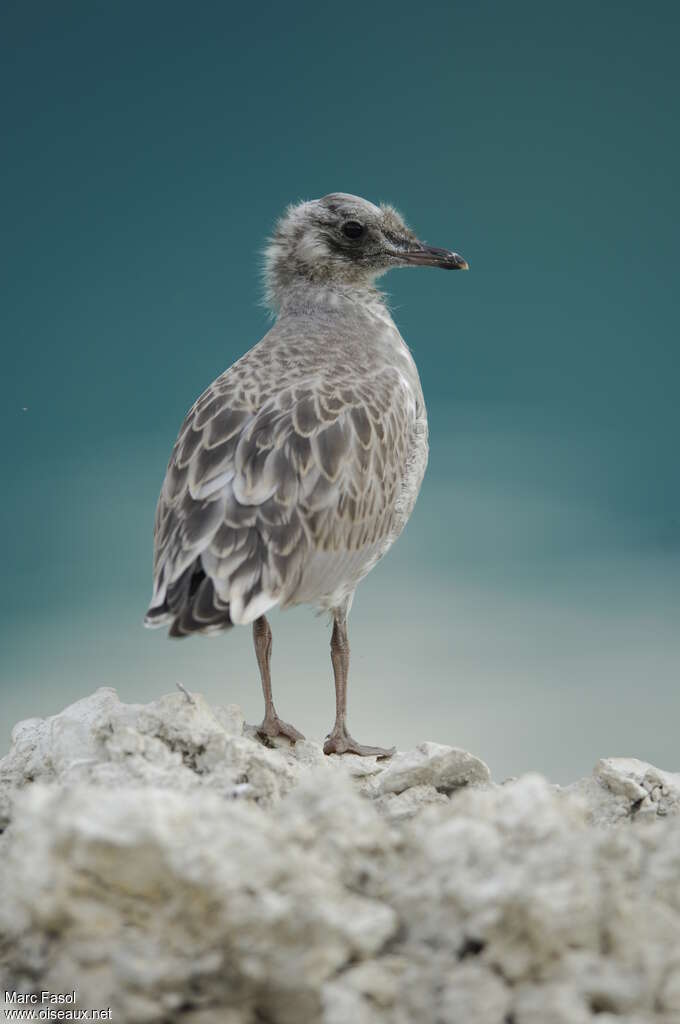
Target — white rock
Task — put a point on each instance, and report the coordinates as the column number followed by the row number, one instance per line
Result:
column 171, row 888
column 163, row 860
column 399, row 806
column 432, row 764
column 472, row 993
column 624, row 787
column 557, row 1004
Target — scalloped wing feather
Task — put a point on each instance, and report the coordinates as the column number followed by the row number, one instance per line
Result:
column 280, row 498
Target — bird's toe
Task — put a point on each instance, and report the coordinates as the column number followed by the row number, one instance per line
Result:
column 343, row 743
column 274, row 726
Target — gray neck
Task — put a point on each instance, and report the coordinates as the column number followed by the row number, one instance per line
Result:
column 324, row 297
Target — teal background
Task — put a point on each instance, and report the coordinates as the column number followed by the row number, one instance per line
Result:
column 530, row 611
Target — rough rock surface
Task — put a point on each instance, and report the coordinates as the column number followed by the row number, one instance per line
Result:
column 163, row 861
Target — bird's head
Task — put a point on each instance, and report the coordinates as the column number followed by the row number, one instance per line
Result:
column 344, row 240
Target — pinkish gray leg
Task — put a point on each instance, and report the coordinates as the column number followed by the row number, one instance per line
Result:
column 271, row 723
column 339, row 741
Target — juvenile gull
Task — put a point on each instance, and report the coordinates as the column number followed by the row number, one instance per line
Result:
column 298, row 468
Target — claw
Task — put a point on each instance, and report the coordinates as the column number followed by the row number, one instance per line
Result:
column 272, row 727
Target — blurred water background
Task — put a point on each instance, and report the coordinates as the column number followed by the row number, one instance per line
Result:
column 530, row 611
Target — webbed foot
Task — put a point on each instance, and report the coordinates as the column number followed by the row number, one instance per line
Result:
column 343, row 743
column 273, row 726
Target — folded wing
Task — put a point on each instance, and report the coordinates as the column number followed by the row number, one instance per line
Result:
column 278, row 503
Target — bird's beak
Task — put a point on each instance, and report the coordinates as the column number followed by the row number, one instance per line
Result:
column 420, row 255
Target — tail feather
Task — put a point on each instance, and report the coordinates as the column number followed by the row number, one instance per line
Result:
column 191, row 605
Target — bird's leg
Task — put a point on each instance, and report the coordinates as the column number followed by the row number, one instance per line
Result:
column 339, row 741
column 271, row 724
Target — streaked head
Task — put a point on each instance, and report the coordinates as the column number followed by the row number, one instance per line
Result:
column 344, row 239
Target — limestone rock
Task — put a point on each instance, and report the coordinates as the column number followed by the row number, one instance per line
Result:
column 175, row 893
column 622, row 788
column 446, row 769
column 164, row 861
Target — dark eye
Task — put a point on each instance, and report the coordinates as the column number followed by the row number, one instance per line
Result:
column 352, row 229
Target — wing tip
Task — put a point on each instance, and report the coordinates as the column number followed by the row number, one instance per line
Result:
column 157, row 616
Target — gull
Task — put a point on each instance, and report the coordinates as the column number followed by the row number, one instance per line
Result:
column 298, row 468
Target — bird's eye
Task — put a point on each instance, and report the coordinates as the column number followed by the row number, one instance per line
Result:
column 352, row 229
